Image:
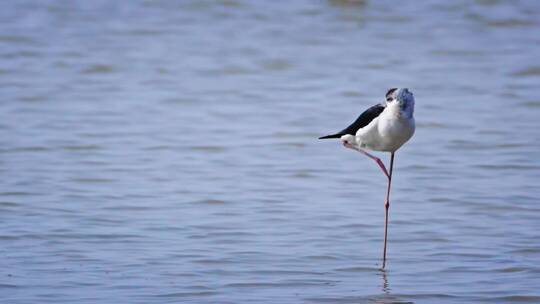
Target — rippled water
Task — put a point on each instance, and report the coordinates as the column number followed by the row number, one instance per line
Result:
column 166, row 152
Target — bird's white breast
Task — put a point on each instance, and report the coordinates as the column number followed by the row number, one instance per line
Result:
column 388, row 132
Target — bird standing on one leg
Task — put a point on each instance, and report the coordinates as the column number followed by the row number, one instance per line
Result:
column 383, row 127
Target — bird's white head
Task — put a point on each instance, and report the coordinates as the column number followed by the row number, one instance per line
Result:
column 348, row 141
column 402, row 97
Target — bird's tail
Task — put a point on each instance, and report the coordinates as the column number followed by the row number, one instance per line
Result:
column 337, row 135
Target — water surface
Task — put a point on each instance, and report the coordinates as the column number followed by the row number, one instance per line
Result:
column 166, row 152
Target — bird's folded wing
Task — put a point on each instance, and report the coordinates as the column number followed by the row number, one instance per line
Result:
column 363, row 120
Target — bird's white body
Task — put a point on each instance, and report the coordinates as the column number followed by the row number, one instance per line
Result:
column 388, row 131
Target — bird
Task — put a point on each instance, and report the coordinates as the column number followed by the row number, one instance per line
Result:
column 383, row 127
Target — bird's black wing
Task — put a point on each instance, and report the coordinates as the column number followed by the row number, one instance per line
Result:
column 363, row 120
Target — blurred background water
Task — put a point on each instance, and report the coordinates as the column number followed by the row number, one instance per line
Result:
column 166, row 152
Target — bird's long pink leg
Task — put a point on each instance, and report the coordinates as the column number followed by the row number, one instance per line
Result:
column 386, row 207
column 387, row 199
column 375, row 158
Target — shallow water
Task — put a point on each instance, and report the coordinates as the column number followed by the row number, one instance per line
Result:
column 166, row 152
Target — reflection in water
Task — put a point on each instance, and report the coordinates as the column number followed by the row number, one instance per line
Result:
column 348, row 3
column 385, row 287
column 386, row 297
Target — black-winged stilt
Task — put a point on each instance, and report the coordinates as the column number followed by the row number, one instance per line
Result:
column 383, row 127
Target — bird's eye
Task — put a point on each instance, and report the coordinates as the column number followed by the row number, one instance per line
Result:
column 389, row 99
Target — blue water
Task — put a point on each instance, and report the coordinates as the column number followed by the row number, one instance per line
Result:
column 166, row 152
